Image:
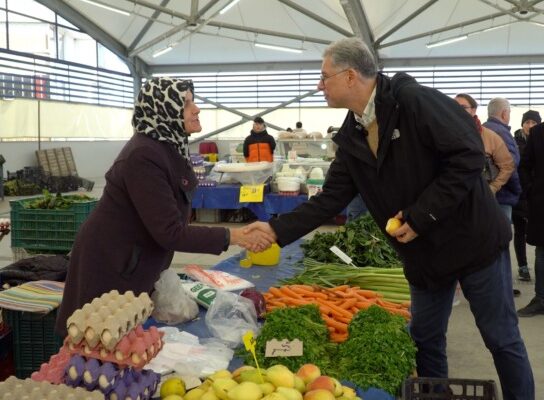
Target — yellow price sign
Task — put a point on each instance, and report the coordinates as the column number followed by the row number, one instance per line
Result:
column 249, row 344
column 251, row 193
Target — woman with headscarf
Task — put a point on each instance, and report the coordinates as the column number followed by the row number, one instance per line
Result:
column 143, row 214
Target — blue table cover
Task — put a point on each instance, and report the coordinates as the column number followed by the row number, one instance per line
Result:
column 226, row 197
column 263, row 278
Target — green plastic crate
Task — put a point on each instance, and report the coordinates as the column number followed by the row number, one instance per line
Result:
column 34, row 339
column 38, row 229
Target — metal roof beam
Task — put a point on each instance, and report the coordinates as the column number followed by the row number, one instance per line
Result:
column 243, row 120
column 440, row 30
column 146, row 27
column 235, row 67
column 410, row 17
column 316, row 17
column 234, row 111
column 359, row 24
column 461, row 61
column 188, row 22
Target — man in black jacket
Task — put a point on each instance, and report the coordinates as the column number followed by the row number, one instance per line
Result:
column 413, row 153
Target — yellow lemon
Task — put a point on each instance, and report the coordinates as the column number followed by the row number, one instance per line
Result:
column 392, row 225
column 172, row 386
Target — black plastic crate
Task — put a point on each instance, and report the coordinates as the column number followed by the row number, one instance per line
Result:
column 34, row 339
column 456, row 389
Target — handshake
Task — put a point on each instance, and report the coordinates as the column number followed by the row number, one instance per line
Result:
column 255, row 237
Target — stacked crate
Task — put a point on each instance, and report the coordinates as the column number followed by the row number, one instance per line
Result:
column 60, row 170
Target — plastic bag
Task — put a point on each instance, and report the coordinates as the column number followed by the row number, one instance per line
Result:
column 172, row 303
column 230, row 316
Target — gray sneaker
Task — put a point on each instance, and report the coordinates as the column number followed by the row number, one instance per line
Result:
column 524, row 274
column 535, row 307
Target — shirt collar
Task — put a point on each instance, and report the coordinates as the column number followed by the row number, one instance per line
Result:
column 369, row 113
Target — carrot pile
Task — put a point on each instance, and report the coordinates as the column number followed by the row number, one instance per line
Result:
column 337, row 305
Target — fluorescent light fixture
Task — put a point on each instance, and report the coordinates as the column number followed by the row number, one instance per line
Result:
column 163, row 51
column 228, row 6
column 446, row 41
column 117, row 10
column 279, row 48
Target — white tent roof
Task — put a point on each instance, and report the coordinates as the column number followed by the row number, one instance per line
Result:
column 399, row 31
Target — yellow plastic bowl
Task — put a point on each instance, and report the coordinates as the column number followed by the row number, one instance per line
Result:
column 269, row 257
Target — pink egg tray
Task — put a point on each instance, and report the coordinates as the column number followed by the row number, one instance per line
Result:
column 135, row 349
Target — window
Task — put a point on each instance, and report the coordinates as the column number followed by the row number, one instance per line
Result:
column 30, row 35
column 76, row 46
column 108, row 60
column 32, row 9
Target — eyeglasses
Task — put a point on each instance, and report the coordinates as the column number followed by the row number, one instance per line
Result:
column 323, row 78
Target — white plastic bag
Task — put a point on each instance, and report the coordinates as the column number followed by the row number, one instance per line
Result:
column 230, row 316
column 172, row 303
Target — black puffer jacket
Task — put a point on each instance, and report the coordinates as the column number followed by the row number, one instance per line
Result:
column 428, row 165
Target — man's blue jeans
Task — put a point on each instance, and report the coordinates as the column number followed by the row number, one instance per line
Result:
column 489, row 293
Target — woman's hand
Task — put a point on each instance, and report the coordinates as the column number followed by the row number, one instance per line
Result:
column 255, row 240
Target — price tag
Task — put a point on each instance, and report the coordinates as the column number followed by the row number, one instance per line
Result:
column 251, row 193
column 283, row 348
column 249, row 344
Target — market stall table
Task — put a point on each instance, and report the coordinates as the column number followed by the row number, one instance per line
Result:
column 226, row 197
column 263, row 277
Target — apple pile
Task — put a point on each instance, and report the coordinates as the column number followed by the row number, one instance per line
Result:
column 274, row 383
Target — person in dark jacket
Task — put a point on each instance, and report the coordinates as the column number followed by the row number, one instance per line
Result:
column 531, row 171
column 413, row 153
column 144, row 212
column 259, row 145
column 519, row 211
column 498, row 118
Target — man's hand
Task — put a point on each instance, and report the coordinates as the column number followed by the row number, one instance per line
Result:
column 263, row 227
column 405, row 233
column 254, row 240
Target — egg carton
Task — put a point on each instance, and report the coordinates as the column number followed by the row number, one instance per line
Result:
column 108, row 318
column 114, row 382
column 17, row 389
column 53, row 371
column 135, row 349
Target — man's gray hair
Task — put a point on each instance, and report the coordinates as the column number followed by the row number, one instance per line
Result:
column 352, row 53
column 496, row 106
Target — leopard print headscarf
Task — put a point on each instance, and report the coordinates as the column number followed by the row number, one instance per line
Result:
column 158, row 112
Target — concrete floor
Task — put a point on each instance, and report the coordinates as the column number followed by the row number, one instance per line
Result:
column 468, row 357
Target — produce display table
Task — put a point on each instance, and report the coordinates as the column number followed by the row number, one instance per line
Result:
column 226, row 197
column 263, row 278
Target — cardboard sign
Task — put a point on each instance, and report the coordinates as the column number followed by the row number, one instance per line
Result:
column 283, row 348
column 251, row 194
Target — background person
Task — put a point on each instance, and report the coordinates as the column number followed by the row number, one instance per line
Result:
column 411, row 152
column 259, row 145
column 519, row 211
column 143, row 215
column 494, row 146
column 532, row 177
column 498, row 112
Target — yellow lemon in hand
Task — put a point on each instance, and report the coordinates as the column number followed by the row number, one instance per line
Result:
column 172, row 386
column 392, row 225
